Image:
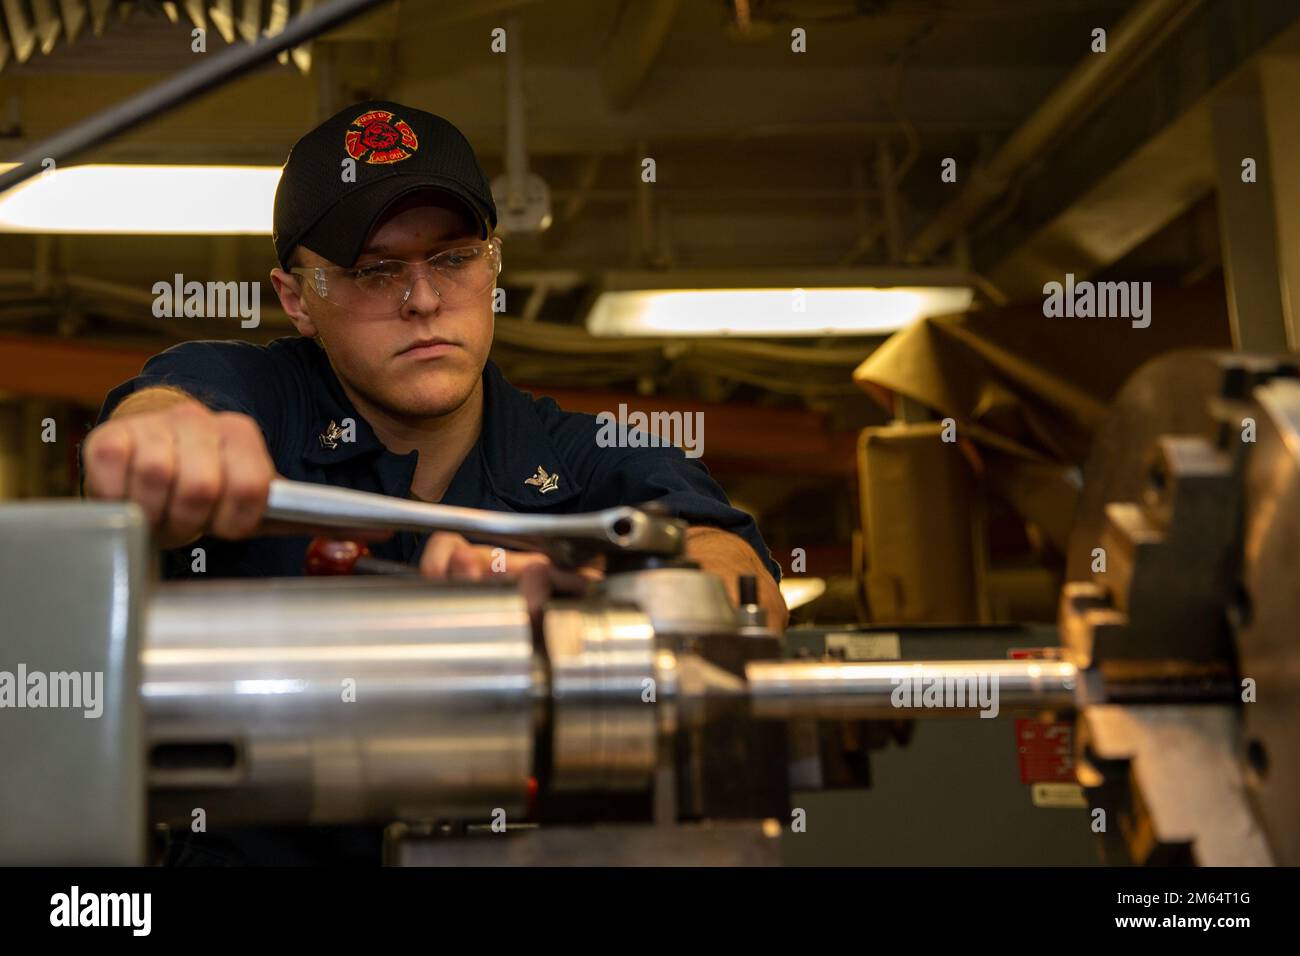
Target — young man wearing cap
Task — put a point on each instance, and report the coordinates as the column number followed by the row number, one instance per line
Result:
column 383, row 230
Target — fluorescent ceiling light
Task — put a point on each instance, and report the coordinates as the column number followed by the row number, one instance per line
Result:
column 771, row 311
column 116, row 199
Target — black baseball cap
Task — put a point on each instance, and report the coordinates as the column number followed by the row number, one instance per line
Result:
column 395, row 150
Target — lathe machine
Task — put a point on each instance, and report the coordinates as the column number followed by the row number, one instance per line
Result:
column 649, row 721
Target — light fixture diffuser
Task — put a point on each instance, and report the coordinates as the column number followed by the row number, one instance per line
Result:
column 119, row 199
column 761, row 303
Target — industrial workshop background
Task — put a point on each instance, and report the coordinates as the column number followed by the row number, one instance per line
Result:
column 989, row 156
column 984, row 146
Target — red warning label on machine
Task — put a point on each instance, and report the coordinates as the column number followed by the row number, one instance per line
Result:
column 1045, row 750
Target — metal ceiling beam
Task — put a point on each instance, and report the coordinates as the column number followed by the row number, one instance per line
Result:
column 1143, row 161
column 1247, row 236
column 1254, row 119
column 1128, row 43
column 1150, row 189
column 1280, row 80
column 635, row 46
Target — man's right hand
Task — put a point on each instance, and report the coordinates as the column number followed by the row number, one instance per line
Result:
column 191, row 470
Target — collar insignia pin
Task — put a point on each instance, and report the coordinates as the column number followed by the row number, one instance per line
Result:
column 545, row 482
column 329, row 438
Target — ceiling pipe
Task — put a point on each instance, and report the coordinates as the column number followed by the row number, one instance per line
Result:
column 1096, row 76
column 516, row 125
column 523, row 199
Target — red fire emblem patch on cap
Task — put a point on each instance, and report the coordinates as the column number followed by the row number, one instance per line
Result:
column 378, row 137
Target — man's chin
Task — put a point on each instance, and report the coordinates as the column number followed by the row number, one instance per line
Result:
column 430, row 401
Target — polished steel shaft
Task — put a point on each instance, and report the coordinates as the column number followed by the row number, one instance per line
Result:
column 307, row 701
column 319, row 701
column 900, row 689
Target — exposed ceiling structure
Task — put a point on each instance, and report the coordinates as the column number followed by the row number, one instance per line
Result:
column 766, row 158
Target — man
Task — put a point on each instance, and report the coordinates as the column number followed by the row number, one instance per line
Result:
column 383, row 231
column 383, row 222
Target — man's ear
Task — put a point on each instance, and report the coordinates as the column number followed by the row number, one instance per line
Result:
column 291, row 290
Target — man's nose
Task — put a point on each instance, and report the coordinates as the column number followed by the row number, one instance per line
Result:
column 424, row 298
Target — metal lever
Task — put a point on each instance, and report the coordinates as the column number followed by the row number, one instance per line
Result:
column 569, row 540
